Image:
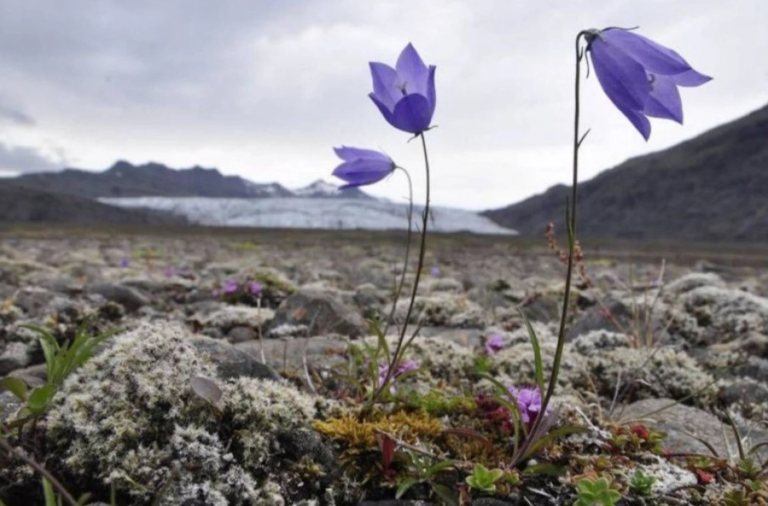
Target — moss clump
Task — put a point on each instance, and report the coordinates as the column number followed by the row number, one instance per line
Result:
column 409, row 427
column 128, row 417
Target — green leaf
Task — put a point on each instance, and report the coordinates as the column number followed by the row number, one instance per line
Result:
column 16, row 386
column 40, row 399
column 446, row 495
column 405, row 485
column 538, row 363
column 440, row 466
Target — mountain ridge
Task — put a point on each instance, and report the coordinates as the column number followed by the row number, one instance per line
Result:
column 713, row 187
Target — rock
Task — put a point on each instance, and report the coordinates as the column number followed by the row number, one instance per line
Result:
column 714, row 315
column 288, row 354
column 33, row 300
column 232, row 362
column 226, row 316
column 442, row 310
column 321, row 312
column 241, row 334
column 690, row 282
column 677, row 420
column 640, row 320
column 130, row 298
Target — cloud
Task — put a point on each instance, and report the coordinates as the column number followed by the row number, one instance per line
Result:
column 265, row 89
column 24, row 159
column 14, row 117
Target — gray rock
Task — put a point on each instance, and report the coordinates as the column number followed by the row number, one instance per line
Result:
column 16, row 355
column 33, row 299
column 678, row 420
column 130, row 298
column 321, row 312
column 241, row 334
column 232, row 362
column 288, row 354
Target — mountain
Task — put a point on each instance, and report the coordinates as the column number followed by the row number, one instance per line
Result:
column 25, row 205
column 314, row 212
column 711, row 188
column 152, row 179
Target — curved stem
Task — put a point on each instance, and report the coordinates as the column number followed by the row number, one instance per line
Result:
column 56, row 484
column 399, row 290
column 571, row 230
column 399, row 348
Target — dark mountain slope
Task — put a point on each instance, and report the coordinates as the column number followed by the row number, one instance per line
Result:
column 711, row 188
column 24, row 205
column 153, row 179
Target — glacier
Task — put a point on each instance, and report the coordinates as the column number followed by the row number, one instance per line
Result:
column 311, row 213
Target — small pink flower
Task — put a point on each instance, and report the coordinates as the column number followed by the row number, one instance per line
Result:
column 230, row 287
column 493, row 344
column 255, row 288
column 528, row 402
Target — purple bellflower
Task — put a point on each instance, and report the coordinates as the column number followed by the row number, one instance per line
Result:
column 493, row 344
column 402, row 367
column 362, row 166
column 405, row 95
column 528, row 402
column 640, row 76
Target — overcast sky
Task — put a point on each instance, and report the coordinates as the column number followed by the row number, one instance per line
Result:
column 264, row 89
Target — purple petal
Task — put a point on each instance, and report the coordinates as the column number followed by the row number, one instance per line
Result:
column 638, row 120
column 654, row 57
column 351, row 154
column 622, row 78
column 363, row 172
column 385, row 111
column 412, row 114
column 412, row 71
column 385, row 84
column 690, row 78
column 664, row 100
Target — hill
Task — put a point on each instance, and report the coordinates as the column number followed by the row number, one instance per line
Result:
column 25, row 205
column 711, row 188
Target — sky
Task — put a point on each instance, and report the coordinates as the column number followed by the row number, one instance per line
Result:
column 264, row 89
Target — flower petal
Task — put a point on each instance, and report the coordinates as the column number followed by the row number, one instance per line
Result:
column 412, row 114
column 351, row 154
column 385, row 111
column 664, row 100
column 651, row 55
column 638, row 120
column 385, row 84
column 621, row 77
column 363, row 172
column 412, row 71
column 690, row 78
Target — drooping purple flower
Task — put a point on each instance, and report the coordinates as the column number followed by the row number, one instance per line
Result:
column 362, row 166
column 255, row 288
column 528, row 402
column 493, row 344
column 402, row 367
column 405, row 95
column 230, row 287
column 125, row 262
column 170, row 272
column 435, row 271
column 640, row 76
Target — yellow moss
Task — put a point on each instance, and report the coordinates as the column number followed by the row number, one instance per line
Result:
column 409, row 427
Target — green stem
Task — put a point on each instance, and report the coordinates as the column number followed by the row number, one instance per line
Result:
column 571, row 229
column 56, row 484
column 399, row 289
column 399, row 348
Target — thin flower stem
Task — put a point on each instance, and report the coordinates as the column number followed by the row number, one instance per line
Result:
column 40, row 470
column 571, row 227
column 399, row 348
column 399, row 291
